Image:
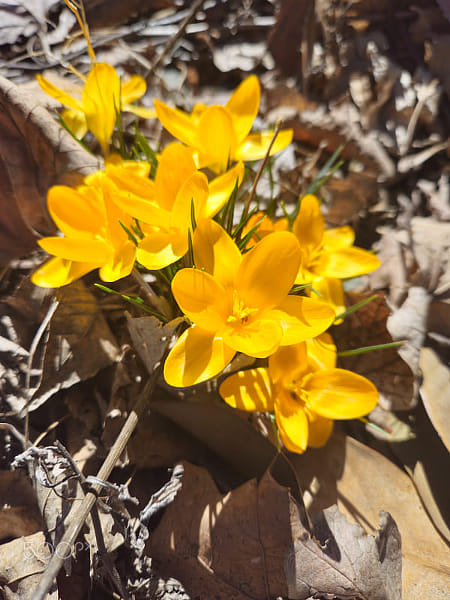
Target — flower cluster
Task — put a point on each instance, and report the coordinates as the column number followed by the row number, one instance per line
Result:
column 266, row 289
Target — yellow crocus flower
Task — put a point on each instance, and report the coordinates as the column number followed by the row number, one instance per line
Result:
column 305, row 390
column 98, row 102
column 239, row 303
column 220, row 135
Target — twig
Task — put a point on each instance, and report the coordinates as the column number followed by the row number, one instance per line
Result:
column 260, row 170
column 171, row 43
column 79, row 517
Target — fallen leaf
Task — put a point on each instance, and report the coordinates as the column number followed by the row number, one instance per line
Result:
column 434, row 392
column 19, row 514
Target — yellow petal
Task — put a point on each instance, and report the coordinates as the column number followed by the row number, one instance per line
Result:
column 161, row 248
column 140, row 111
column 321, row 352
column 120, row 264
column 215, row 252
column 77, row 250
column 132, row 177
column 338, row 237
column 268, row 271
column 75, row 121
column 309, row 225
column 78, row 213
column 58, row 272
column 101, row 102
column 248, row 390
column 177, row 122
column 201, row 298
column 243, row 106
column 320, row 430
column 192, row 195
column 133, row 88
column 331, row 291
column 175, row 166
column 197, row 356
column 259, row 337
column 221, row 188
column 58, row 94
column 288, row 363
column 339, row 394
column 215, row 139
column 350, row 262
column 142, row 209
column 302, row 318
column 255, row 145
column 291, row 420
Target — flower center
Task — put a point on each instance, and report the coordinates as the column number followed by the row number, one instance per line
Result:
column 240, row 313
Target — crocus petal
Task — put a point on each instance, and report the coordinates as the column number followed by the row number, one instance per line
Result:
column 215, row 252
column 248, row 390
column 309, row 225
column 161, row 248
column 101, row 102
column 331, row 291
column 268, row 271
column 215, row 139
column 288, row 363
column 302, row 318
column 243, row 106
column 140, row 111
column 75, row 121
column 339, row 394
column 350, row 262
column 142, row 209
column 221, row 188
column 338, row 237
column 291, row 420
column 132, row 178
column 175, row 166
column 120, row 264
column 259, row 337
column 201, row 298
column 192, row 195
column 255, row 145
column 58, row 94
column 177, row 123
column 57, row 272
column 77, row 250
column 78, row 213
column 321, row 352
column 320, row 430
column 197, row 356
column 133, row 88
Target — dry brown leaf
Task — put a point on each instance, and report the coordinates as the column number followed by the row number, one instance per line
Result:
column 19, row 514
column 35, row 153
column 435, row 392
column 362, row 481
column 254, row 542
column 385, row 368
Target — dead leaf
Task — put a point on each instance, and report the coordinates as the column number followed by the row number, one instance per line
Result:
column 19, row 514
column 385, row 368
column 434, row 392
column 35, row 153
column 361, row 481
column 250, row 544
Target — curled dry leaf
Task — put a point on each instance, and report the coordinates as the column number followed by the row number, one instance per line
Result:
column 434, row 392
column 35, row 153
column 254, row 542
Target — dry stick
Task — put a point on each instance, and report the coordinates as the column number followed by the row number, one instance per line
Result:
column 76, row 522
column 260, row 170
column 171, row 43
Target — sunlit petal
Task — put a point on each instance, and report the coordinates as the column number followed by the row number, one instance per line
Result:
column 350, row 262
column 302, row 318
column 248, row 390
column 331, row 291
column 175, row 166
column 201, row 298
column 140, row 111
column 221, row 188
column 177, row 123
column 58, row 94
column 268, row 270
column 291, row 420
column 193, row 195
column 340, row 394
column 258, row 338
column 142, row 209
column 309, row 225
column 133, row 88
column 320, row 429
column 243, row 106
column 215, row 252
column 338, row 237
column 288, row 363
column 255, row 145
column 76, row 249
column 197, row 356
column 121, row 263
column 215, row 138
column 321, row 352
column 79, row 213
column 101, row 102
column 59, row 271
column 75, row 121
column 160, row 249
